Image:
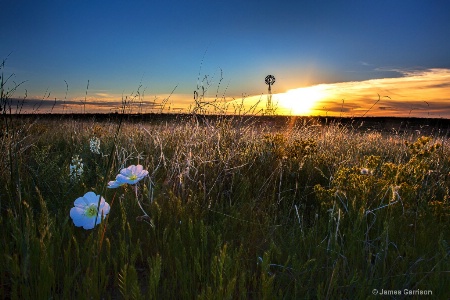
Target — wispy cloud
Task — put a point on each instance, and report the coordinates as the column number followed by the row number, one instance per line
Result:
column 363, row 63
column 424, row 93
column 419, row 93
column 103, row 103
column 104, row 95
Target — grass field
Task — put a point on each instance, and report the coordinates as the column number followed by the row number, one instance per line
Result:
column 231, row 208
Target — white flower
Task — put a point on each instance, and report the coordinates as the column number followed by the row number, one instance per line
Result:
column 131, row 175
column 84, row 213
column 94, row 144
column 76, row 168
column 365, row 171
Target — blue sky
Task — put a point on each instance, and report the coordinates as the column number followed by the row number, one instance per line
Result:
column 120, row 45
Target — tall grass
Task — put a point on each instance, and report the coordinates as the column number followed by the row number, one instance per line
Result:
column 240, row 210
column 234, row 208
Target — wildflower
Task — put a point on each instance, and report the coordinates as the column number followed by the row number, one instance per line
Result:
column 94, row 144
column 85, row 212
column 365, row 171
column 76, row 168
column 131, row 175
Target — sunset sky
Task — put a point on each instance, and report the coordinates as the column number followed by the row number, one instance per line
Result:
column 349, row 58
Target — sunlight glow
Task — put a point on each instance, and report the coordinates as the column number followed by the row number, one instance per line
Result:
column 420, row 93
column 301, row 101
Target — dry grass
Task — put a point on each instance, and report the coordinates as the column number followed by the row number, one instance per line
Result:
column 240, row 210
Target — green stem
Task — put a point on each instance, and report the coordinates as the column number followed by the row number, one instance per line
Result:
column 140, row 206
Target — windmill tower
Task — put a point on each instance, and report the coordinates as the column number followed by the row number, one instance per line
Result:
column 270, row 79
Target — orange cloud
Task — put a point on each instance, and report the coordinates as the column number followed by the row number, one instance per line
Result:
column 419, row 94
column 423, row 93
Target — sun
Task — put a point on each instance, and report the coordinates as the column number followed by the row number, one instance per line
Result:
column 302, row 100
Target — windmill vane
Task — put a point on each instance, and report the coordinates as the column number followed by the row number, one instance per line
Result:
column 270, row 79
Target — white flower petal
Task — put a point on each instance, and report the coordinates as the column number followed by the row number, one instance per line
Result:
column 91, row 197
column 90, row 223
column 126, row 172
column 114, row 184
column 77, row 216
column 104, row 208
column 80, row 202
column 122, row 179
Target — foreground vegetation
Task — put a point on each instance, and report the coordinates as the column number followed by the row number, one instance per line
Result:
column 235, row 210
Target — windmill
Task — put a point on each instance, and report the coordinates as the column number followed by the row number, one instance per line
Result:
column 270, row 79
